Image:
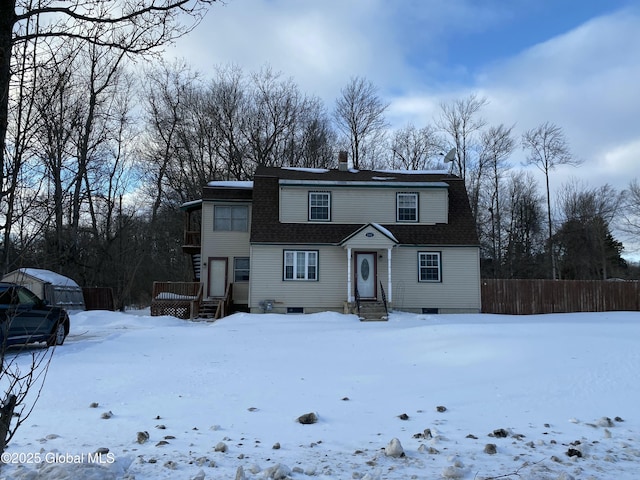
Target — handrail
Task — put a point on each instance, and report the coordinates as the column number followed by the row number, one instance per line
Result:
column 175, row 289
column 357, row 297
column 195, row 304
column 224, row 304
column 384, row 299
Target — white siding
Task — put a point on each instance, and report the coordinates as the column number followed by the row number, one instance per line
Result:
column 224, row 244
column 352, row 205
column 458, row 291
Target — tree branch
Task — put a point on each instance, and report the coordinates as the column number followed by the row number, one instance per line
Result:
column 152, row 8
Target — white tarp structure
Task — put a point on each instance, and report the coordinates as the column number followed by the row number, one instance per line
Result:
column 52, row 287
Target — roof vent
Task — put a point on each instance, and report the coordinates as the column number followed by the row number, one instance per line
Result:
column 343, row 163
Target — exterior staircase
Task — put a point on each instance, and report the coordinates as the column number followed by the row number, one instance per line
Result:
column 373, row 312
column 208, row 309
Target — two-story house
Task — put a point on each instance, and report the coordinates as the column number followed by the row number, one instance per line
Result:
column 309, row 240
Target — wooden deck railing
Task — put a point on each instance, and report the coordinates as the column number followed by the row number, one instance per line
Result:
column 180, row 299
column 192, row 238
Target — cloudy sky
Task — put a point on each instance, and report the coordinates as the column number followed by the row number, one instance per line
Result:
column 575, row 63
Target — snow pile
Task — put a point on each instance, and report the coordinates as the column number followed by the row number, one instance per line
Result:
column 421, row 396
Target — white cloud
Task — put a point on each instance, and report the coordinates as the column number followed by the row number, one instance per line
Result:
column 321, row 46
column 584, row 81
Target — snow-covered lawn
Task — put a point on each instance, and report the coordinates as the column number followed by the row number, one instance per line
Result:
column 564, row 389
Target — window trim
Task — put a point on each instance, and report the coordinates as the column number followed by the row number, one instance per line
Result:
column 420, row 267
column 416, row 209
column 236, row 269
column 294, row 266
column 328, row 207
column 245, row 227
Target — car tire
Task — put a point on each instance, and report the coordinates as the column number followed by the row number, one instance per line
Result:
column 58, row 335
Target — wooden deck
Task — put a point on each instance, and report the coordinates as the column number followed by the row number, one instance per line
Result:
column 184, row 300
column 179, row 299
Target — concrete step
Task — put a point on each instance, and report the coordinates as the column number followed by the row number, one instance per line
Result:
column 372, row 311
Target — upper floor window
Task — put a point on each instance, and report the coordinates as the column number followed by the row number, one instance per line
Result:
column 300, row 265
column 231, row 218
column 429, row 267
column 407, row 207
column 320, row 206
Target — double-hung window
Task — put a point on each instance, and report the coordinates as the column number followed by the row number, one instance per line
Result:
column 241, row 269
column 300, row 265
column 320, row 206
column 429, row 267
column 407, row 207
column 231, row 218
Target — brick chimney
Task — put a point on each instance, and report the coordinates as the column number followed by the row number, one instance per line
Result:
column 343, row 163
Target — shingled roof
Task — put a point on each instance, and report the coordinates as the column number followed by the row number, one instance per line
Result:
column 266, row 227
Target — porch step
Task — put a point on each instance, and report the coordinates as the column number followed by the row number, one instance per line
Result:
column 208, row 308
column 373, row 312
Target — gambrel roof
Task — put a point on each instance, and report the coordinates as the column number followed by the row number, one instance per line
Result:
column 266, row 227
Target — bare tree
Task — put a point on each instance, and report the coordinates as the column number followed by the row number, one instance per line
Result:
column 496, row 147
column 631, row 220
column 416, row 148
column 461, row 122
column 60, row 107
column 167, row 89
column 228, row 105
column 548, row 148
column 16, row 174
column 523, row 225
column 22, row 375
column 359, row 116
column 130, row 26
column 274, row 106
column 222, row 129
column 314, row 145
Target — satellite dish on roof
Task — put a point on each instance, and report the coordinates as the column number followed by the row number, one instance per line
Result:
column 450, row 156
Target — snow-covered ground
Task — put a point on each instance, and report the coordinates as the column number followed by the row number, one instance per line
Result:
column 556, row 395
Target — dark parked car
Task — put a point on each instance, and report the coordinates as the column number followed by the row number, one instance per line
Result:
column 25, row 318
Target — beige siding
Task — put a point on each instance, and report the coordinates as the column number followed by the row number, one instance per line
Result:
column 351, row 205
column 376, row 239
column 267, row 283
column 328, row 293
column 458, row 291
column 224, row 245
column 241, row 293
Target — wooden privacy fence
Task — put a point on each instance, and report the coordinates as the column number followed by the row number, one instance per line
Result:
column 525, row 297
column 98, row 298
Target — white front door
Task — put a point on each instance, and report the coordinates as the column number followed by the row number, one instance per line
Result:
column 366, row 275
column 217, row 277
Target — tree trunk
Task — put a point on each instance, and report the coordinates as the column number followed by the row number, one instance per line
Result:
column 6, row 414
column 7, row 20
